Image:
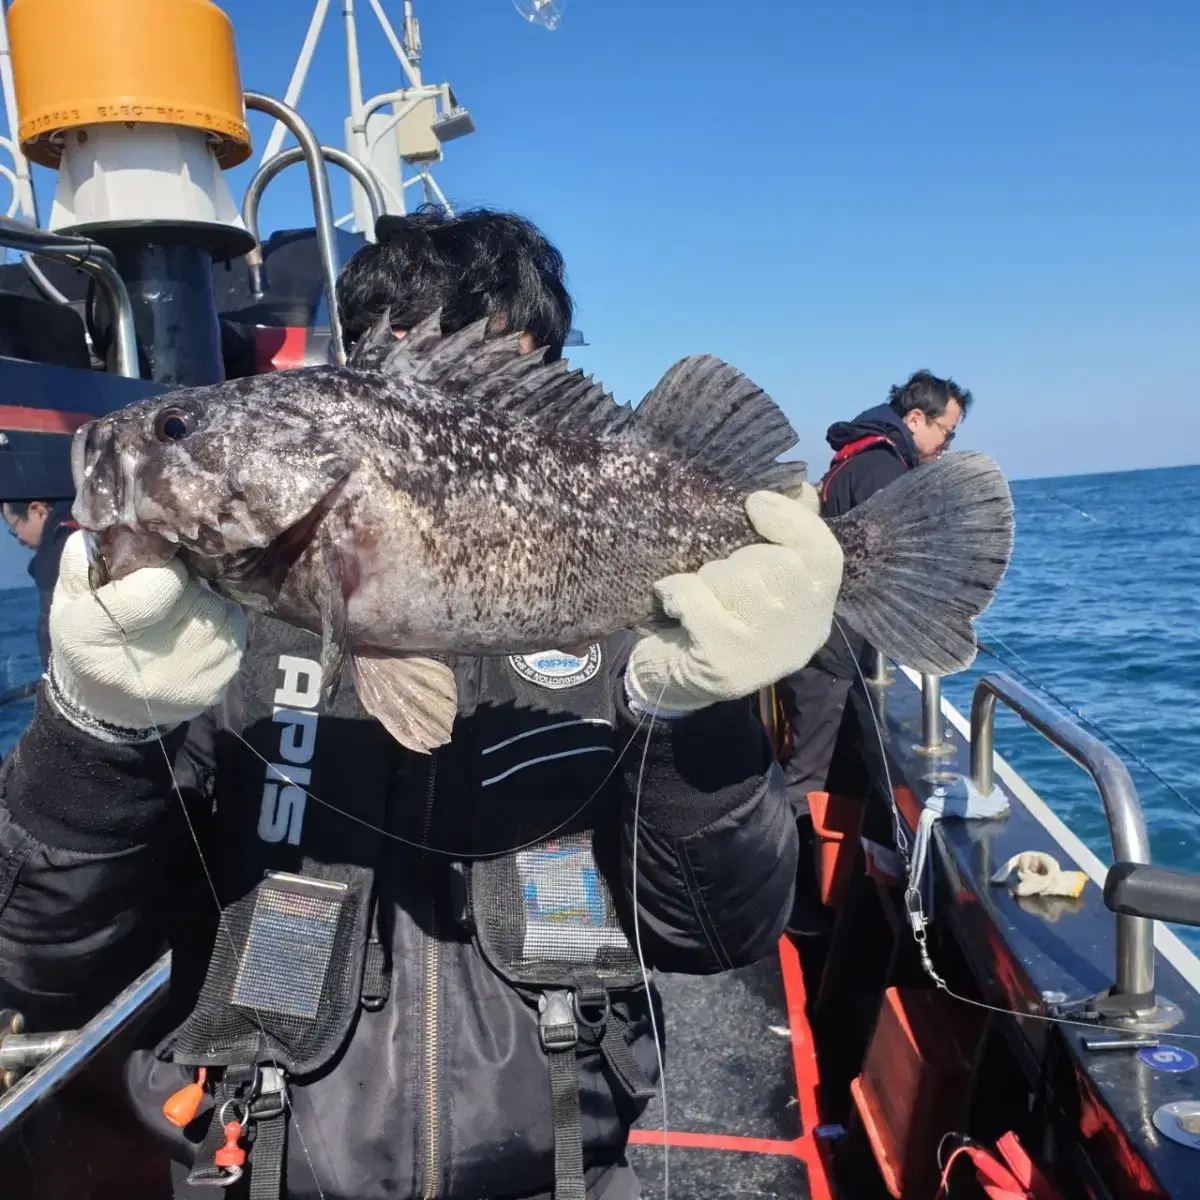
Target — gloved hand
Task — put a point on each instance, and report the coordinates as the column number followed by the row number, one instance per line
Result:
column 181, row 646
column 746, row 621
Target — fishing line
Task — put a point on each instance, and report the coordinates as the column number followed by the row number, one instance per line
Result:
column 637, row 932
column 279, row 773
column 926, row 960
column 211, row 882
column 637, row 937
column 1078, row 714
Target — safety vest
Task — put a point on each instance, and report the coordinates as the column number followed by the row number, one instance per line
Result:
column 849, row 450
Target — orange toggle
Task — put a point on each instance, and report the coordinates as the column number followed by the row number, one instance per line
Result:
column 181, row 1108
column 230, row 1154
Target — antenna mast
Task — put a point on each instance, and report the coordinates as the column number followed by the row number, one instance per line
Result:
column 398, row 134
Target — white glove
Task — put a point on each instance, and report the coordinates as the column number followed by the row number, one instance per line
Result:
column 807, row 495
column 747, row 621
column 181, row 645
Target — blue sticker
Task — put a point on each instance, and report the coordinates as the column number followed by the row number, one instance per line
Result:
column 1167, row 1058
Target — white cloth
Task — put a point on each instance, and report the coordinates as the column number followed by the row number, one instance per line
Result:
column 141, row 655
column 745, row 621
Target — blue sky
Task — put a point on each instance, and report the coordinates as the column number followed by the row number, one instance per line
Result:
column 833, row 195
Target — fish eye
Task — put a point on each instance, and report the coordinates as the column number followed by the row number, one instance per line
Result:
column 173, row 425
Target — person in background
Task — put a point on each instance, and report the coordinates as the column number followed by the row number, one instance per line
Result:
column 916, row 425
column 42, row 526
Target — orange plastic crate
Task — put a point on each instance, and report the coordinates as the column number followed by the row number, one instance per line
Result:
column 913, row 1085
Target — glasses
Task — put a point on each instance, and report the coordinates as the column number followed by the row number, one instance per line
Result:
column 948, row 435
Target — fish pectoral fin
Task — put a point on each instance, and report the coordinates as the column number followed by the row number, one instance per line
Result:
column 334, row 637
column 413, row 698
column 333, row 644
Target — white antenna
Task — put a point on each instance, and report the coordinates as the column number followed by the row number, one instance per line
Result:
column 401, row 145
column 546, row 13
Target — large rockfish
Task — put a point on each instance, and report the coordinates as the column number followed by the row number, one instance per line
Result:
column 450, row 495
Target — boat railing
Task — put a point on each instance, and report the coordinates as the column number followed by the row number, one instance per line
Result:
column 1122, row 808
column 98, row 262
column 318, row 181
column 370, row 181
column 35, row 1067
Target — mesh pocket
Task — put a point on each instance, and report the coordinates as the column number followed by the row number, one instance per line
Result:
column 283, row 982
column 545, row 915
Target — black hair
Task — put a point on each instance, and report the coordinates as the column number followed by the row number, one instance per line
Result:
column 929, row 394
column 474, row 264
column 20, row 508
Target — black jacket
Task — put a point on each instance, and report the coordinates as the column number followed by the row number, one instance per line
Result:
column 43, row 568
column 444, row 1091
column 863, row 474
column 847, row 484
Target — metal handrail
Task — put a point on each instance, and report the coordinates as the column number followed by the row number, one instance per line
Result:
column 98, row 262
column 322, row 206
column 281, row 161
column 73, row 1050
column 1122, row 808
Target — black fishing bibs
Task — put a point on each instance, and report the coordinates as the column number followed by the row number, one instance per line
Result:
column 296, row 952
column 543, row 913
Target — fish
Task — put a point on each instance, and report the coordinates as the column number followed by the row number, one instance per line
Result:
column 448, row 495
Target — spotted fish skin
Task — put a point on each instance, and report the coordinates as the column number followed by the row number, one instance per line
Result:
column 454, row 528
column 450, row 495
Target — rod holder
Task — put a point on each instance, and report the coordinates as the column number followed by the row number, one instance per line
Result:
column 933, row 744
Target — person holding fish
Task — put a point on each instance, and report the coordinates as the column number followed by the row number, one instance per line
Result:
column 438, row 665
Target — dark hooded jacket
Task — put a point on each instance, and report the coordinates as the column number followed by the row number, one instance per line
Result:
column 862, row 474
column 439, row 1086
column 815, row 698
column 43, row 568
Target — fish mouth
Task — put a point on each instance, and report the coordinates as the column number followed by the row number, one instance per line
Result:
column 119, row 550
column 116, row 542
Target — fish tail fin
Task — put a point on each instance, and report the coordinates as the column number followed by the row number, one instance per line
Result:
column 711, row 416
column 923, row 559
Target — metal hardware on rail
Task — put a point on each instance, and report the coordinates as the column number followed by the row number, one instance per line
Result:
column 98, row 262
column 280, row 162
column 1123, row 810
column 21, row 1051
column 322, row 207
column 933, row 743
column 75, row 1049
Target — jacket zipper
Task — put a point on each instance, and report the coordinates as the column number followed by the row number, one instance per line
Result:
column 432, row 969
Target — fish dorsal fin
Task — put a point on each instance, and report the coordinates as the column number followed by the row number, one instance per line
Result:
column 703, row 411
column 492, row 372
column 710, row 415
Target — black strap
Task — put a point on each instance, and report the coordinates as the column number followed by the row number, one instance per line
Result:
column 614, row 1045
column 377, row 976
column 559, row 1032
column 267, row 1156
column 257, row 1098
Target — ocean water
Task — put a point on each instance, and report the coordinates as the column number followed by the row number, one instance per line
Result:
column 1101, row 605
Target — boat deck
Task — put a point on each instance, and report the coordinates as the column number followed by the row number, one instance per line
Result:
column 741, row 1084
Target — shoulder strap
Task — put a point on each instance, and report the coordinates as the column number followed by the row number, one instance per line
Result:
column 848, row 451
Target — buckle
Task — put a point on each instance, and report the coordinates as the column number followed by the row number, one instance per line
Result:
column 270, row 1098
column 594, row 999
column 557, row 1026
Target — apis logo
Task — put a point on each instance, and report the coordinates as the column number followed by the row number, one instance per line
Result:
column 282, row 813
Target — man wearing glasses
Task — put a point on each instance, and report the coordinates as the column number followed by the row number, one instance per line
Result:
column 830, row 739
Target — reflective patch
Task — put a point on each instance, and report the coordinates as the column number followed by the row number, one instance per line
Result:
column 555, row 669
column 289, row 947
